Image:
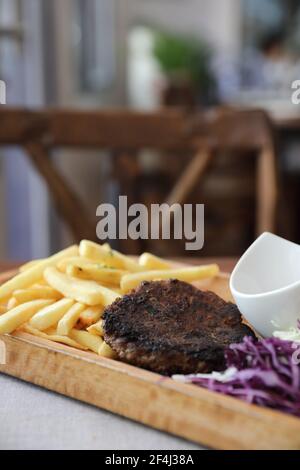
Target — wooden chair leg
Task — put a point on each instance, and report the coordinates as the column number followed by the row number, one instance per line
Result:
column 127, row 172
column 66, row 200
column 266, row 191
column 191, row 176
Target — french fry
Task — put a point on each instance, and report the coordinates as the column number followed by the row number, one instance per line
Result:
column 35, row 293
column 107, row 256
column 84, row 338
column 3, row 309
column 28, row 265
column 89, row 278
column 41, row 283
column 106, row 351
column 96, row 273
column 151, row 262
column 89, row 316
column 96, row 329
column 51, row 314
column 86, row 292
column 52, row 337
column 12, row 303
column 106, row 246
column 69, row 320
column 73, row 260
column 11, row 320
column 130, row 281
column 50, row 331
column 117, row 290
column 33, row 274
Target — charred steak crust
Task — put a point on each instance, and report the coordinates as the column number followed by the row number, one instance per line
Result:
column 172, row 327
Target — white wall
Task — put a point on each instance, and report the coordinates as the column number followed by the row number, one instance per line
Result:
column 217, row 20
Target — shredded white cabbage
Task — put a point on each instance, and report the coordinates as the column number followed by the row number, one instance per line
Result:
column 224, row 377
column 293, row 334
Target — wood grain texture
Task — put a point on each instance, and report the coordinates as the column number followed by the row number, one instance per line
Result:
column 187, row 411
column 178, row 136
column 111, row 128
column 67, row 202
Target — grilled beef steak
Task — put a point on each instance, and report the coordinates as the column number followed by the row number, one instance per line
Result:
column 172, row 327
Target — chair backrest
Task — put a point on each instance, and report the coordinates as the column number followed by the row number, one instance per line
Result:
column 238, row 131
column 234, row 128
column 42, row 131
column 244, row 130
column 117, row 129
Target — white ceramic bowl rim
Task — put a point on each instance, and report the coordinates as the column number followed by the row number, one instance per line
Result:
column 260, row 294
column 263, row 294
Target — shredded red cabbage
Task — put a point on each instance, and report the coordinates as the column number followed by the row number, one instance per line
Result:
column 262, row 372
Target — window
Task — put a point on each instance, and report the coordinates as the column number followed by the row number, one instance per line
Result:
column 94, row 41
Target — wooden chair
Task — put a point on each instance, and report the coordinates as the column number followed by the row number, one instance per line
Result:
column 124, row 133
column 236, row 131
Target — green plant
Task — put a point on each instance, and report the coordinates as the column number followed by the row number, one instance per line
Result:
column 184, row 55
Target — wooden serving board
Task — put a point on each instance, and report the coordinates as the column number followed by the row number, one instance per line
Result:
column 205, row 417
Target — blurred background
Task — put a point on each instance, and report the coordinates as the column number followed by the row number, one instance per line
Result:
column 215, row 63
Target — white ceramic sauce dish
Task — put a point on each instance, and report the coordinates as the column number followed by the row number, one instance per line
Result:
column 265, row 284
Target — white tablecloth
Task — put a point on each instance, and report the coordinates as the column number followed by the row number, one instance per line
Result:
column 34, row 418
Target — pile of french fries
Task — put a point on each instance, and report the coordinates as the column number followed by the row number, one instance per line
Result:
column 62, row 298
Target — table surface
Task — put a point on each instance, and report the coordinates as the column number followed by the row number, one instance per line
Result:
column 34, row 418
